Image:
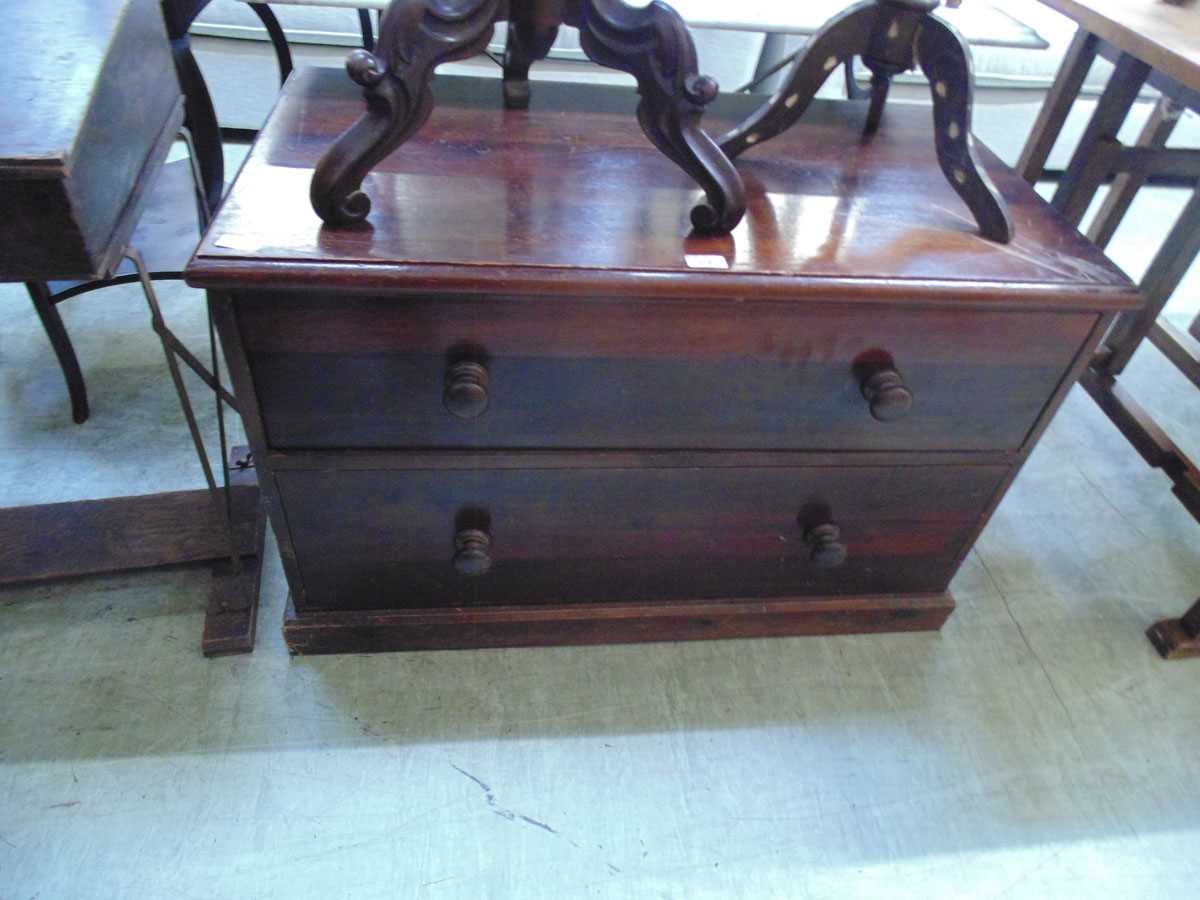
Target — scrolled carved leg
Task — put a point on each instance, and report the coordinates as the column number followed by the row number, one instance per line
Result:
column 532, row 28
column 842, row 37
column 415, row 37
column 653, row 45
column 946, row 62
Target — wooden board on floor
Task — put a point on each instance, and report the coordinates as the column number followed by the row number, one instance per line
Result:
column 65, row 540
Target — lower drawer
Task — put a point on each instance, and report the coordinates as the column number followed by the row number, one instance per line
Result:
column 403, row 539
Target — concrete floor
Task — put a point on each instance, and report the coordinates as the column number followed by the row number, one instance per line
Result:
column 1036, row 747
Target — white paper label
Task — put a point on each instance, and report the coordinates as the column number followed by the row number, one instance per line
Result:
column 705, row 261
column 237, row 242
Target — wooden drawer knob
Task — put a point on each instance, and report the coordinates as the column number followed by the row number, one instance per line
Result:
column 888, row 395
column 825, row 548
column 466, row 391
column 472, row 552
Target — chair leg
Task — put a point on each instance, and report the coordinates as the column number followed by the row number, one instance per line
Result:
column 61, row 342
column 1080, row 181
column 1177, row 638
column 1063, row 94
column 1126, row 185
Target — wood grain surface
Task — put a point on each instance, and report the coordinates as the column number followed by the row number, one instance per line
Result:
column 570, row 197
column 385, row 539
column 520, row 406
column 67, row 540
column 613, row 373
column 369, row 631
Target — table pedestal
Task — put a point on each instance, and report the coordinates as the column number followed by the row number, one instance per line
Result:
column 650, row 43
column 892, row 36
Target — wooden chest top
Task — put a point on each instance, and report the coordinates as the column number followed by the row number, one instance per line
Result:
column 570, row 197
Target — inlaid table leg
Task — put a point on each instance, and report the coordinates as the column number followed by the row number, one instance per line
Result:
column 836, row 43
column 946, row 62
column 892, row 36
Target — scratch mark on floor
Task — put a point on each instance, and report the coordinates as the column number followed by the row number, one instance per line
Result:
column 537, row 824
column 64, row 805
column 486, row 789
column 1103, row 496
column 1028, row 646
column 502, row 812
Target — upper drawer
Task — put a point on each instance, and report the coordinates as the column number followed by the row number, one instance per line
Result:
column 600, row 373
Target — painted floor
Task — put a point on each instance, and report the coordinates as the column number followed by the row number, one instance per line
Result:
column 1036, row 747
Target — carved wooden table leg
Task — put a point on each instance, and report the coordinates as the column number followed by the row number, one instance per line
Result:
column 653, row 45
column 892, row 36
column 532, row 28
column 838, row 41
column 414, row 38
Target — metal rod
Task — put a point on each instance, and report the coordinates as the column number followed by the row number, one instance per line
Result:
column 220, row 503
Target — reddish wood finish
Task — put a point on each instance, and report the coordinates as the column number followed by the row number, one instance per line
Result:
column 517, row 409
column 606, row 623
column 386, row 539
column 365, row 372
column 568, row 198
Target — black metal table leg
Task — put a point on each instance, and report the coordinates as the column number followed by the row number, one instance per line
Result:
column 61, row 342
column 200, row 119
column 367, row 29
column 283, row 52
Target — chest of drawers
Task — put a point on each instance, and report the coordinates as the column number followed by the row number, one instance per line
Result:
column 522, row 406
